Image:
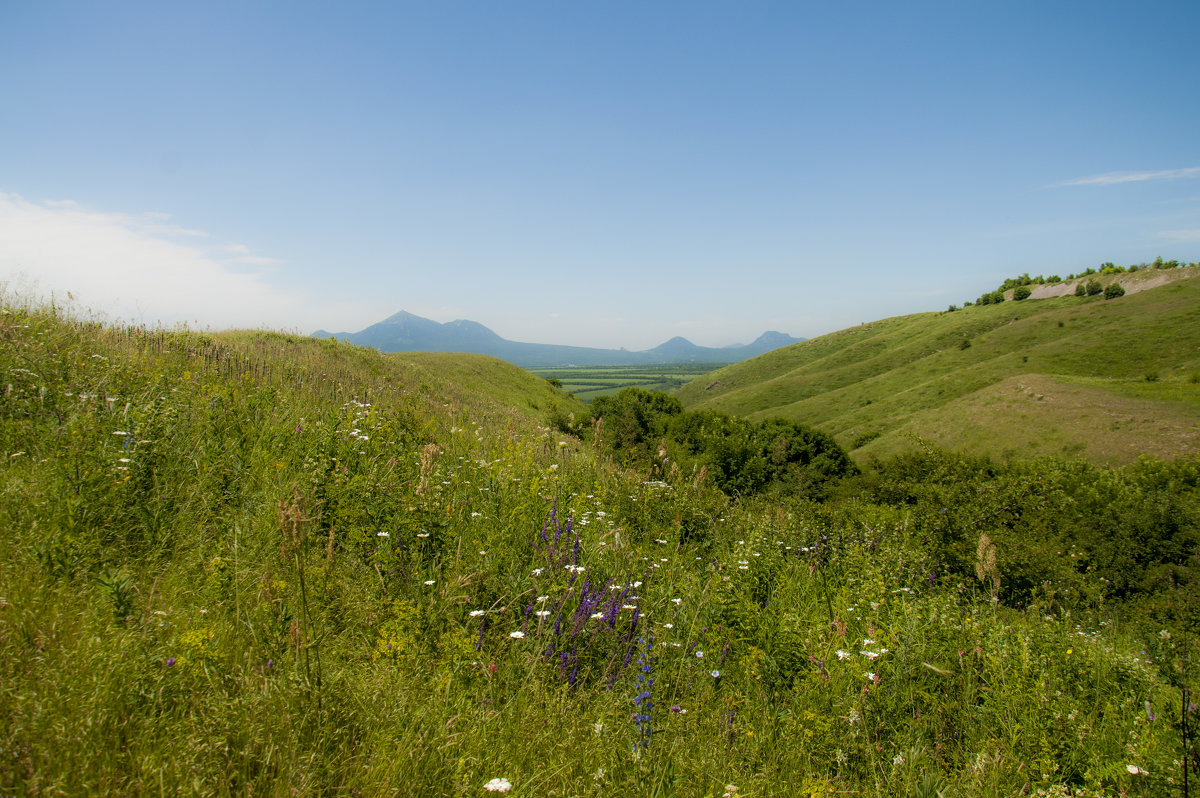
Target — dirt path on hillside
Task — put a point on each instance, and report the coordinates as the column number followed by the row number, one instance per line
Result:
column 1141, row 280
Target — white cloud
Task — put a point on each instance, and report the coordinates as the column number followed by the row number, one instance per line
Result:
column 1180, row 235
column 1113, row 178
column 128, row 267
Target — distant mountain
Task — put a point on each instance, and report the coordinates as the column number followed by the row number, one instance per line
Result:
column 405, row 332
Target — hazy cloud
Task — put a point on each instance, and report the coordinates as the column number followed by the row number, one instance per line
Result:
column 1180, row 235
column 1113, row 178
column 127, row 266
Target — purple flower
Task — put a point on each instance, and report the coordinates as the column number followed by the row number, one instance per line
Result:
column 170, row 661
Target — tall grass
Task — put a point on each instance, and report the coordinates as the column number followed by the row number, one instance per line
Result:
column 261, row 564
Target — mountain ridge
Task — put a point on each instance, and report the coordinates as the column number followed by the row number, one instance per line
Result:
column 407, row 332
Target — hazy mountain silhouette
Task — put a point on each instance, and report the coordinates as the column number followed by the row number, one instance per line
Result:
column 405, row 332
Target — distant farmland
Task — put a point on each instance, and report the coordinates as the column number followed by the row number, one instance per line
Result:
column 588, row 382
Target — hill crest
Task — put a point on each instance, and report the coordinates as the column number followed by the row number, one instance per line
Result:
column 936, row 375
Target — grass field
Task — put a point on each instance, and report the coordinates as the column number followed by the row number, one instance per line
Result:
column 940, row 376
column 588, row 382
column 259, row 564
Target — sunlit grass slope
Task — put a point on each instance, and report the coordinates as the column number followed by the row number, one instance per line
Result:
column 1102, row 376
column 255, row 564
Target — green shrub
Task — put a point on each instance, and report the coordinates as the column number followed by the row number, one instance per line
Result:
column 1113, row 290
column 1094, row 287
column 1021, row 292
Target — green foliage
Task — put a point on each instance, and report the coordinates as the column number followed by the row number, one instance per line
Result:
column 248, row 563
column 1080, row 289
column 739, row 456
column 1022, row 292
column 1093, row 287
column 634, row 419
column 1113, row 290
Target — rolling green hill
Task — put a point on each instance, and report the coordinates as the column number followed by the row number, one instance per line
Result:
column 260, row 564
column 1105, row 379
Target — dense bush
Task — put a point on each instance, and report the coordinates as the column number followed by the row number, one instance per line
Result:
column 1113, row 290
column 739, row 456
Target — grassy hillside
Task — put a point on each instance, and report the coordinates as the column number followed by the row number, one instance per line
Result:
column 254, row 564
column 1105, row 378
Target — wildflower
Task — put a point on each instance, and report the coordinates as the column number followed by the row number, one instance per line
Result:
column 668, row 626
column 542, row 598
column 842, row 654
column 1137, row 771
column 381, row 534
column 716, row 674
column 477, row 613
column 898, row 759
column 170, row 661
column 422, row 534
column 699, row 655
column 430, row 582
column 498, row 785
column 517, row 635
column 869, row 675
column 537, row 571
column 677, row 601
column 542, row 613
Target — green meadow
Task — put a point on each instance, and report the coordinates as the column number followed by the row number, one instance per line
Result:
column 258, row 564
column 587, row 382
column 1063, row 375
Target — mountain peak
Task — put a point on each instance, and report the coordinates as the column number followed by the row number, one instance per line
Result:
column 406, row 332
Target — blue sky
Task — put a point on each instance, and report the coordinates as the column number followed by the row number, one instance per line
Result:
column 599, row 174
